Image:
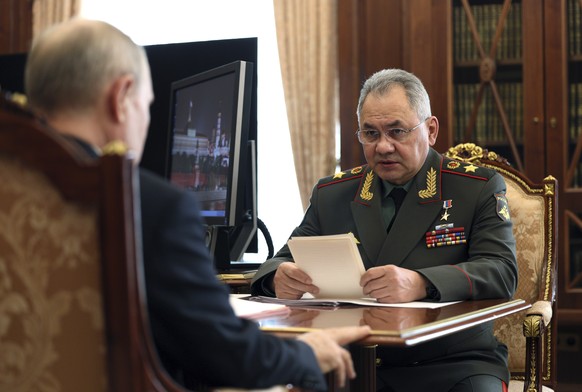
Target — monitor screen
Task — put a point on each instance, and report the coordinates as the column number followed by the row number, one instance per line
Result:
column 210, row 153
column 209, row 139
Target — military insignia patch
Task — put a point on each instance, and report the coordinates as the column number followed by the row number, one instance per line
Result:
column 453, row 165
column 502, row 206
column 357, row 170
column 366, row 194
column 431, row 185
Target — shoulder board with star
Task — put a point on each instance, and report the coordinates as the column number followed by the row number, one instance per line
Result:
column 466, row 169
column 343, row 176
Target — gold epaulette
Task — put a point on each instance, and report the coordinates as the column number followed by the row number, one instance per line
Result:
column 467, row 169
column 346, row 175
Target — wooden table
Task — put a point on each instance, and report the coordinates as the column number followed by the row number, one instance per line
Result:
column 391, row 326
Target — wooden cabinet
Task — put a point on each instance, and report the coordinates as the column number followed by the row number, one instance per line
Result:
column 504, row 74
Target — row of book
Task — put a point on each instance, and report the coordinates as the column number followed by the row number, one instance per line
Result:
column 575, row 112
column 487, row 18
column 488, row 127
column 574, row 28
column 509, row 47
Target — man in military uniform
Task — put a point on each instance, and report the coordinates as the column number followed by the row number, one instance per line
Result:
column 429, row 228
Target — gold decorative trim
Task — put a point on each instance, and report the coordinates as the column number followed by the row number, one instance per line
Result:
column 431, row 180
column 532, row 326
column 366, row 194
column 548, row 359
column 116, row 147
column 549, row 249
column 19, row 99
column 532, row 373
column 515, row 178
column 549, row 186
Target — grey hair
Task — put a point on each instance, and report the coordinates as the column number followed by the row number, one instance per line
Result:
column 70, row 64
column 382, row 81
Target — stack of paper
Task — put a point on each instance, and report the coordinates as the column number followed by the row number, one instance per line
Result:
column 333, row 263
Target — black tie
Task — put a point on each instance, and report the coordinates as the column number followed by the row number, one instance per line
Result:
column 398, row 195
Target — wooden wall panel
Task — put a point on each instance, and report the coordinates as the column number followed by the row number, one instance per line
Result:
column 428, row 54
column 370, row 39
column 414, row 35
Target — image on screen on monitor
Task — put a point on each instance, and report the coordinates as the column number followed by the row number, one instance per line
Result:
column 208, row 138
column 210, row 153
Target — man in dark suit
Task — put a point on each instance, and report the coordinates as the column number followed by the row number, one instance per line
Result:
column 92, row 83
column 429, row 228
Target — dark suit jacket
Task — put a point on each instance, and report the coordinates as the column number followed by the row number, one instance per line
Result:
column 198, row 337
column 483, row 267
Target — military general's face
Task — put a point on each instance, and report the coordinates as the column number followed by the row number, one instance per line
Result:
column 396, row 161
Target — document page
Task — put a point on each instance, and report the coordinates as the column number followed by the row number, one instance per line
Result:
column 332, row 261
column 308, row 301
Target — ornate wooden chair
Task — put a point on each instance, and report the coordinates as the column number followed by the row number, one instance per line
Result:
column 72, row 305
column 530, row 338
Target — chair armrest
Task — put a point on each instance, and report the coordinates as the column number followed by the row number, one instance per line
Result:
column 543, row 309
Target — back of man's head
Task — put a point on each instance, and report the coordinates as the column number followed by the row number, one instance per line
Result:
column 71, row 64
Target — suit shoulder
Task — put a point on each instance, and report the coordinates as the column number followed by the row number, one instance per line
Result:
column 342, row 177
column 466, row 170
column 155, row 189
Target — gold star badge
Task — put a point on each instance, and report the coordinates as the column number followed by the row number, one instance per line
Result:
column 470, row 168
column 445, row 215
column 338, row 175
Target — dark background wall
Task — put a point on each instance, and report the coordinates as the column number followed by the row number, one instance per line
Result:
column 169, row 62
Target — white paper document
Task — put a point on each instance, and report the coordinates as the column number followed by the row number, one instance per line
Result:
column 332, row 262
column 308, row 300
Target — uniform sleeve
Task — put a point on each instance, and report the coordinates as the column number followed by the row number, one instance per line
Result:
column 490, row 270
column 194, row 326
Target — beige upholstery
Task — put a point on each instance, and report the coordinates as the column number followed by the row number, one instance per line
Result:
column 49, row 288
column 533, row 212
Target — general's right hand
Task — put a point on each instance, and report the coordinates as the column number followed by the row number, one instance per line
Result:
column 328, row 350
column 290, row 282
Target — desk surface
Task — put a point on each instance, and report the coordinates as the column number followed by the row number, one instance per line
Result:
column 395, row 326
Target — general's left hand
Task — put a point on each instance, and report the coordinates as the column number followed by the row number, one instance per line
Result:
column 392, row 284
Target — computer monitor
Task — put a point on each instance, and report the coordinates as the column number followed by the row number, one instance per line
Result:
column 210, row 154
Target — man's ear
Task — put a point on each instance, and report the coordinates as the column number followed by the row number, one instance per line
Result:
column 118, row 97
column 433, row 130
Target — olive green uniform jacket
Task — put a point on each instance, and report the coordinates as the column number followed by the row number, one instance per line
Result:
column 479, row 264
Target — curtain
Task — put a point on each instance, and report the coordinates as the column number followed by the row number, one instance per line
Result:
column 46, row 13
column 307, row 41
